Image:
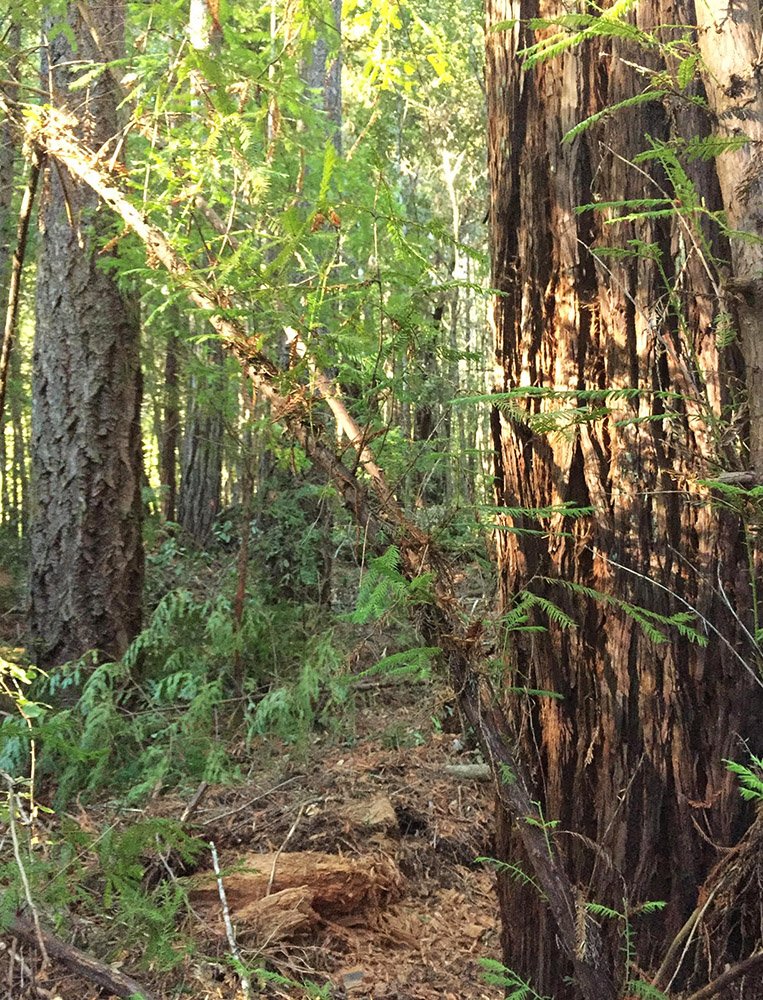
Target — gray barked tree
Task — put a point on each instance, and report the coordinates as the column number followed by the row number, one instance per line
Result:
column 86, row 573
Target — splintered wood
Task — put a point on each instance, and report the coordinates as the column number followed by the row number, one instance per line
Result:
column 272, row 896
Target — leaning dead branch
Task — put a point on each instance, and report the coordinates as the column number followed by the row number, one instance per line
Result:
column 717, row 986
column 375, row 509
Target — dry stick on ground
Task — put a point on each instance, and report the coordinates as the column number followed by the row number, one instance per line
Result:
column 195, row 802
column 378, row 513
column 14, row 285
column 229, row 931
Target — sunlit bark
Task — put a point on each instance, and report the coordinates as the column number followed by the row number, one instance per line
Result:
column 632, row 757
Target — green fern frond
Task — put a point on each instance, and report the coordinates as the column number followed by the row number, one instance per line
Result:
column 514, row 986
column 411, row 661
column 650, row 906
column 599, row 910
column 751, row 780
column 644, row 990
column 632, row 203
column 330, row 157
column 714, row 145
column 535, row 692
column 515, row 871
column 650, row 622
column 642, row 98
column 554, row 612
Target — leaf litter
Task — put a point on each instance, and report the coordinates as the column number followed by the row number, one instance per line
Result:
column 348, row 871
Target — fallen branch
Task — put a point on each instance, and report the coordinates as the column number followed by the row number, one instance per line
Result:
column 731, row 975
column 374, row 507
column 79, row 961
column 195, row 802
column 468, row 772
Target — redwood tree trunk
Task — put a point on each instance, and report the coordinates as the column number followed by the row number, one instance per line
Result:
column 87, row 561
column 632, row 757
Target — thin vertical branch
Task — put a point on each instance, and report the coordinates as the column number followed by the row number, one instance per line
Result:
column 13, row 805
column 17, row 265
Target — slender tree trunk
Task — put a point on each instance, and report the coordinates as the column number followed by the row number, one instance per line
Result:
column 730, row 44
column 323, row 74
column 202, row 453
column 631, row 760
column 428, row 484
column 170, row 427
column 18, row 514
column 199, row 497
column 87, row 561
column 8, row 160
column 7, row 234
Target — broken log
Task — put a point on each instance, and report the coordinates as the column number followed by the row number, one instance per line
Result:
column 337, row 886
column 308, row 888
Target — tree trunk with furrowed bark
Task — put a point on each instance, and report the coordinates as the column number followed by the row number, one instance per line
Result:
column 630, row 761
column 87, row 560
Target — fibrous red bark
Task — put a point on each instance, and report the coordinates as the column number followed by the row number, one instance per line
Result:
column 631, row 760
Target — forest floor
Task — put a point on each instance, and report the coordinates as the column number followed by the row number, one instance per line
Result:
column 349, row 872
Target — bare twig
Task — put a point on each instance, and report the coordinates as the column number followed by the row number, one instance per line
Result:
column 363, row 132
column 195, row 802
column 13, row 804
column 229, row 931
column 286, row 840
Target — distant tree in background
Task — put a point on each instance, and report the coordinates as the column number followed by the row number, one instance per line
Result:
column 86, row 574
